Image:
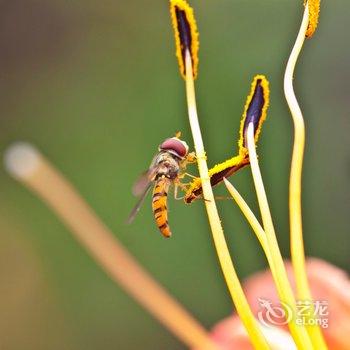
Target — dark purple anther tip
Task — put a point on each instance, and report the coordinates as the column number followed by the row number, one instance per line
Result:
column 254, row 110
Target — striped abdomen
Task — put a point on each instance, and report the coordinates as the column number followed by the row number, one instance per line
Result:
column 159, row 205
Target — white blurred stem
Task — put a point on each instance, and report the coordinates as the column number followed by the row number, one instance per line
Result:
column 26, row 164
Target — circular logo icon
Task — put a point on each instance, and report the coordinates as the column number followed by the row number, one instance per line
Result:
column 274, row 315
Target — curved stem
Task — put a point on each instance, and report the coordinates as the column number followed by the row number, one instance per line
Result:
column 227, row 267
column 296, row 231
column 295, row 210
column 283, row 286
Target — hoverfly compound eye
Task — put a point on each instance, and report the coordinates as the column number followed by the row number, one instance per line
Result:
column 175, row 146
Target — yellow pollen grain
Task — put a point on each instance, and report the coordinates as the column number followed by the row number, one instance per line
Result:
column 266, row 94
column 182, row 5
column 314, row 13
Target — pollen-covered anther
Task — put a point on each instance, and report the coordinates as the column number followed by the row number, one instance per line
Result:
column 314, row 13
column 255, row 110
column 216, row 175
column 186, row 34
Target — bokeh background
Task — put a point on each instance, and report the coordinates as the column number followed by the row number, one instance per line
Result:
column 95, row 86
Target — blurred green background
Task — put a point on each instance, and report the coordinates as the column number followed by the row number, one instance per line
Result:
column 95, row 86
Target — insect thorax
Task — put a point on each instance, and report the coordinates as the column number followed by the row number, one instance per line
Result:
column 168, row 165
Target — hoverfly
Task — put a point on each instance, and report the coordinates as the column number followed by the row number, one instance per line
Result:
column 166, row 169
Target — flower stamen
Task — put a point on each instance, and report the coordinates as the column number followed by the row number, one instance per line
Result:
column 186, row 35
column 283, row 286
column 314, row 13
column 255, row 110
column 295, row 210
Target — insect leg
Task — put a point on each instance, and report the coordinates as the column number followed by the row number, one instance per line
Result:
column 176, row 188
column 190, row 175
column 191, row 158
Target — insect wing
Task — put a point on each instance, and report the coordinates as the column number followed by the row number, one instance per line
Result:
column 144, row 180
column 142, row 187
column 138, row 205
column 142, row 183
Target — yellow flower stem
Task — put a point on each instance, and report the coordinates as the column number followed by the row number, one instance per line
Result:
column 232, row 280
column 251, row 218
column 284, row 289
column 28, row 166
column 297, row 247
column 257, row 228
column 295, row 210
column 259, row 232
